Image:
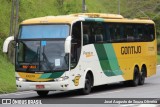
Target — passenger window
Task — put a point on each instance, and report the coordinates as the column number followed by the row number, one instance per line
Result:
column 93, row 32
column 86, row 34
column 99, row 34
column 130, row 32
column 148, row 33
column 112, row 32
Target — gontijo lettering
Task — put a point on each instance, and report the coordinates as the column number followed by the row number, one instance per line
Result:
column 130, row 50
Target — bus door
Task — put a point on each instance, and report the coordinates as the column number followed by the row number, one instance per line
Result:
column 76, row 44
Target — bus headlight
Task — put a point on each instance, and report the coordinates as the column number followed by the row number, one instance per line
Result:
column 20, row 79
column 61, row 78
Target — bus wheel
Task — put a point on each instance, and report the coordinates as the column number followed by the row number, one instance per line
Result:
column 88, row 85
column 136, row 77
column 142, row 76
column 42, row 93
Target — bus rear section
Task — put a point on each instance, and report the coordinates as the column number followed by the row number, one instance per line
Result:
column 125, row 50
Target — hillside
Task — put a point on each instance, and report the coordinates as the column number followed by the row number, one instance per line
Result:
column 32, row 8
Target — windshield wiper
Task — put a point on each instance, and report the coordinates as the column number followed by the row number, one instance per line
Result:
column 47, row 62
column 37, row 54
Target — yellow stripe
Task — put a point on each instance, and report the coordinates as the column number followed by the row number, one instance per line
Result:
column 32, row 77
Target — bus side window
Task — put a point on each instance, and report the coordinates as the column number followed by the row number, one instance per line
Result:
column 148, row 32
column 111, row 32
column 86, row 34
column 145, row 33
column 118, row 33
column 130, row 32
column 122, row 35
column 107, row 33
column 85, row 39
column 140, row 32
column 99, row 38
column 98, row 35
column 151, row 32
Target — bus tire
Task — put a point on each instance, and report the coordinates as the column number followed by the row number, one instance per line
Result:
column 142, row 76
column 42, row 93
column 136, row 77
column 88, row 85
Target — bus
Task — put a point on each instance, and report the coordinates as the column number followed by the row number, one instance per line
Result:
column 83, row 50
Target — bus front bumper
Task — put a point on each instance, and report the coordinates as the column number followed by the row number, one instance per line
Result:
column 60, row 85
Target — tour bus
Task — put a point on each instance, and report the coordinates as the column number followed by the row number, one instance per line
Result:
column 83, row 50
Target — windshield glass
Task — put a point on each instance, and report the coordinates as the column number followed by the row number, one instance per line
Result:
column 41, row 48
column 43, row 31
column 41, row 56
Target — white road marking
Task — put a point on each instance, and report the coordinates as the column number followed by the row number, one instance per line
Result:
column 23, row 93
column 129, row 105
column 106, row 93
column 115, row 91
column 18, row 93
column 147, row 105
column 140, row 105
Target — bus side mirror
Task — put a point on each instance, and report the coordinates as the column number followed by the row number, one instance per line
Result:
column 68, row 44
column 6, row 43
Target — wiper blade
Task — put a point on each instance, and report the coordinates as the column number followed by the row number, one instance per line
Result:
column 47, row 61
column 28, row 67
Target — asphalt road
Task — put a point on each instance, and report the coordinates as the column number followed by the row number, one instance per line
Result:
column 151, row 89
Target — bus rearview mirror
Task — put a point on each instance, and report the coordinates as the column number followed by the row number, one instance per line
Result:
column 6, row 43
column 68, row 44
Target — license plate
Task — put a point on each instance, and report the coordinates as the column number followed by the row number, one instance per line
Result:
column 40, row 87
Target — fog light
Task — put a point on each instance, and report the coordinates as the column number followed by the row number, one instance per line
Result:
column 66, row 85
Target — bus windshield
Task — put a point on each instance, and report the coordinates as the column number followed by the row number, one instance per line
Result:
column 43, row 31
column 41, row 48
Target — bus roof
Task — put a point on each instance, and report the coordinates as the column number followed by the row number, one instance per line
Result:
column 50, row 19
column 85, row 16
column 98, row 15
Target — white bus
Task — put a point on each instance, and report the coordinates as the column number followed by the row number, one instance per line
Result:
column 79, row 51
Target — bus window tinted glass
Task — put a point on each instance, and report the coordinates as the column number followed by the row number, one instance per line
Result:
column 126, row 32
column 44, row 31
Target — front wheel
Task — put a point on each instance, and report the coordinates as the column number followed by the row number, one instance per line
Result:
column 42, row 93
column 88, row 85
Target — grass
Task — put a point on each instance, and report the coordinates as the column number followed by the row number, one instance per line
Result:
column 7, row 75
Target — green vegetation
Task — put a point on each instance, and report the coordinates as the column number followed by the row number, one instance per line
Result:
column 39, row 8
column 158, row 59
column 7, row 79
column 158, row 45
